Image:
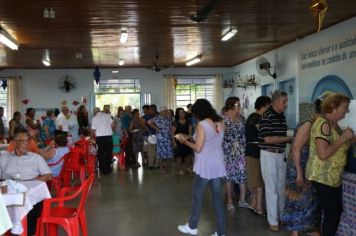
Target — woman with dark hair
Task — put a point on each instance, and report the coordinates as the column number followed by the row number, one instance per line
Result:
column 15, row 124
column 33, row 126
column 182, row 126
column 209, row 165
column 254, row 175
column 82, row 118
column 53, row 153
column 327, row 158
column 136, row 128
column 234, row 144
column 301, row 210
column 49, row 127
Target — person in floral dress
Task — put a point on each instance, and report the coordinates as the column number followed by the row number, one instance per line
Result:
column 234, row 144
column 163, row 126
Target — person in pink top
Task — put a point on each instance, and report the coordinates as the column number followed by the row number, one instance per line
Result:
column 209, row 165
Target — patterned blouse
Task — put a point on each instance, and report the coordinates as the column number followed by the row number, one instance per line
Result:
column 329, row 171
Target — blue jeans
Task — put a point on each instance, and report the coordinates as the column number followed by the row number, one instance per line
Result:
column 199, row 185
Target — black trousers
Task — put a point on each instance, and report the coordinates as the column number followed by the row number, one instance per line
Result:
column 32, row 217
column 104, row 154
column 331, row 205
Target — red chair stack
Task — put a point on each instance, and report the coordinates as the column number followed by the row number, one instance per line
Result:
column 72, row 219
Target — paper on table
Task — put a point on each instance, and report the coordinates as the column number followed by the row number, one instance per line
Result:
column 14, row 199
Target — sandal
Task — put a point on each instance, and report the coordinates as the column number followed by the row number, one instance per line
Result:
column 230, row 207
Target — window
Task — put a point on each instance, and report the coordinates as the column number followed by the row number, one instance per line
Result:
column 118, row 92
column 118, row 86
column 189, row 90
column 3, row 101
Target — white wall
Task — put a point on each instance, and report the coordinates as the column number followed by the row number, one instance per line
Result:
column 41, row 85
column 287, row 63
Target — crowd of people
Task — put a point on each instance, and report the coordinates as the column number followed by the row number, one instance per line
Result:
column 302, row 188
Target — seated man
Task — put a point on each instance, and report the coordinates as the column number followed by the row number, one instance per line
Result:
column 28, row 166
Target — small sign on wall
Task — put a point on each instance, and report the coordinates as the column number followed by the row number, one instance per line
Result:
column 85, row 100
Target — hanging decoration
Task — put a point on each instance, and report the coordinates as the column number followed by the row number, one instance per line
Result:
column 26, row 101
column 4, row 84
column 318, row 10
column 75, row 103
column 97, row 75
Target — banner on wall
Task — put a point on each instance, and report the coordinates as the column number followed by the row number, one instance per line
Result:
column 327, row 66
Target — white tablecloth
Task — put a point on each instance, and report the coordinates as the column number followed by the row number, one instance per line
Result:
column 5, row 222
column 37, row 191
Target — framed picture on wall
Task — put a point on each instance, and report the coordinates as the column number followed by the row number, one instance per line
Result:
column 85, row 100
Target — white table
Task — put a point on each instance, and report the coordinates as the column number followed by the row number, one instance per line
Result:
column 5, row 222
column 37, row 191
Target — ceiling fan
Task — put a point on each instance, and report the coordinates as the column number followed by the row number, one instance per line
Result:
column 156, row 65
column 203, row 12
column 264, row 67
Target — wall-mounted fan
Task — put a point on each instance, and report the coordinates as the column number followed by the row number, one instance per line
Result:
column 67, row 83
column 264, row 67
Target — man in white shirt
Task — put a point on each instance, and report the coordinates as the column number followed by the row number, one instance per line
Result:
column 62, row 123
column 25, row 165
column 102, row 128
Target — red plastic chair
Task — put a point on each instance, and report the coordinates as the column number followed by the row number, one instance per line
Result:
column 76, row 166
column 59, row 181
column 90, row 159
column 71, row 219
column 122, row 155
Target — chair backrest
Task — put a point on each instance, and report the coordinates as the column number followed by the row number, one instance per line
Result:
column 76, row 158
column 66, row 160
column 85, row 191
column 83, row 144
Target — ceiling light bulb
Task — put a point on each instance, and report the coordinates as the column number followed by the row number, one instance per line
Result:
column 124, row 35
column 229, row 34
column 6, row 39
column 193, row 60
column 121, row 62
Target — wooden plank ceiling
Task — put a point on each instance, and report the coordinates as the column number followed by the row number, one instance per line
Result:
column 86, row 33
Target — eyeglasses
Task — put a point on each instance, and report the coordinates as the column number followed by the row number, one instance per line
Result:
column 21, row 140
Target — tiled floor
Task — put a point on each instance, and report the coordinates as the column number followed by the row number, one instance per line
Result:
column 146, row 202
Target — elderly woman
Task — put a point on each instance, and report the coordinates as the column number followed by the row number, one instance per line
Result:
column 49, row 126
column 53, row 154
column 327, row 159
column 209, row 165
column 15, row 124
column 164, row 132
column 234, row 144
column 254, row 175
column 301, row 209
column 33, row 126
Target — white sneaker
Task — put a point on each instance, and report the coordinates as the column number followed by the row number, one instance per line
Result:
column 216, row 234
column 185, row 229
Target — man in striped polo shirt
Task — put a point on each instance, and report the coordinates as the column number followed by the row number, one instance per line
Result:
column 273, row 139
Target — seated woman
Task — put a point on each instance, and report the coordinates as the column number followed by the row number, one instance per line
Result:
column 53, row 154
column 32, row 144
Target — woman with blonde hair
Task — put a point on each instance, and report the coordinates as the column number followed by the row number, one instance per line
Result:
column 327, row 158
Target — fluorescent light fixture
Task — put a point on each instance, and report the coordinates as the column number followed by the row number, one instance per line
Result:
column 6, row 39
column 45, row 59
column 229, row 34
column 115, row 71
column 46, row 62
column 123, row 36
column 194, row 60
column 121, row 62
column 52, row 13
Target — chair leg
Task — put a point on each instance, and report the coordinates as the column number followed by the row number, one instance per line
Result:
column 83, row 224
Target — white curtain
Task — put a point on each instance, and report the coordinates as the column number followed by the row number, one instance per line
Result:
column 170, row 92
column 218, row 94
column 14, row 97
